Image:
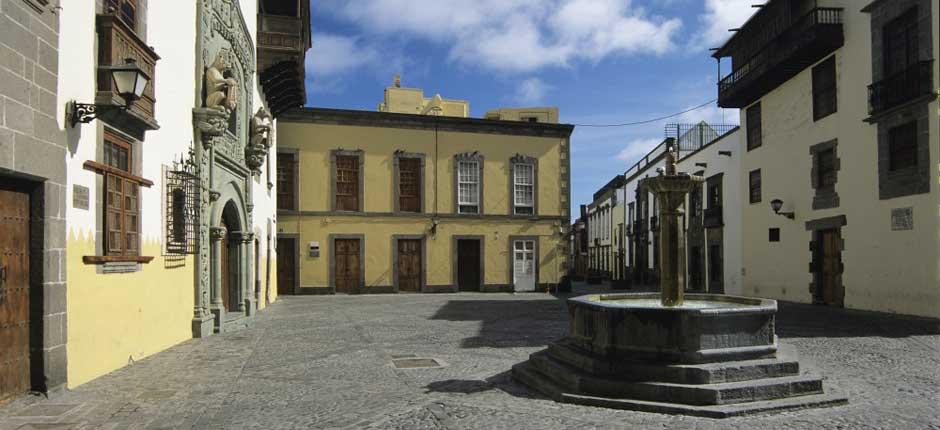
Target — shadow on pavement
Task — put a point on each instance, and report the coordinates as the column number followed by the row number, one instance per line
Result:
column 508, row 323
column 501, row 381
column 796, row 320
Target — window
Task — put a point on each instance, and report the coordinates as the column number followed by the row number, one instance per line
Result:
column 824, row 89
column 286, row 181
column 900, row 43
column 530, row 119
column 347, row 183
column 826, row 168
column 122, row 194
column 754, row 183
column 125, row 10
column 902, row 147
column 753, row 127
column 774, row 235
column 409, row 184
column 714, row 195
column 523, row 189
column 468, row 187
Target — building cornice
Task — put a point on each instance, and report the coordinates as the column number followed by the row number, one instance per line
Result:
column 424, row 122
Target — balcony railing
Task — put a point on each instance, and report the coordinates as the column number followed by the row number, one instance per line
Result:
column 804, row 42
column 712, row 217
column 895, row 90
column 117, row 42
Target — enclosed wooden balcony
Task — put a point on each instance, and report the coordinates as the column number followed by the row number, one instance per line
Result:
column 116, row 43
column 283, row 41
column 766, row 53
column 911, row 84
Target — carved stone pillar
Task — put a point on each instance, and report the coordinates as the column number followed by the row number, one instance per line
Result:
column 248, row 273
column 217, row 234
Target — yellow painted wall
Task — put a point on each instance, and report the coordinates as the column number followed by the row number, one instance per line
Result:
column 378, row 233
column 115, row 319
column 315, row 142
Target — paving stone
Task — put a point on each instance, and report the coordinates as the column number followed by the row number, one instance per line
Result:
column 325, row 362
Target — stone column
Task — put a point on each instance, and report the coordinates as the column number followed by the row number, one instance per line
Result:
column 217, row 234
column 669, row 236
column 248, row 241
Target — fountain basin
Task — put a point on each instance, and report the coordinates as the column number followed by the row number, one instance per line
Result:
column 707, row 328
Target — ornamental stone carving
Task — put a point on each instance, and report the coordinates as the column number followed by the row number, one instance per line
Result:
column 259, row 144
column 211, row 123
column 217, row 233
column 221, row 87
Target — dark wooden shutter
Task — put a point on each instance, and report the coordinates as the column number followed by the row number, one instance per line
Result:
column 409, row 185
column 755, row 186
column 754, row 126
column 900, row 43
column 347, row 183
column 902, row 145
column 286, row 177
column 824, row 89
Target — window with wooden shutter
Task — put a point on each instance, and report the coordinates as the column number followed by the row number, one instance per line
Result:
column 524, row 189
column 900, row 40
column 347, row 183
column 122, row 200
column 125, row 10
column 286, row 181
column 409, row 184
column 468, row 187
column 824, row 89
column 753, row 127
column 902, row 147
column 826, row 168
column 755, row 186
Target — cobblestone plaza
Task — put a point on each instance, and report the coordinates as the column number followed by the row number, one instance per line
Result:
column 360, row 362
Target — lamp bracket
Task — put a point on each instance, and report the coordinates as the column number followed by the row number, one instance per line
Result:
column 87, row 112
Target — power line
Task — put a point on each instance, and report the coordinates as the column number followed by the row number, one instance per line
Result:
column 627, row 124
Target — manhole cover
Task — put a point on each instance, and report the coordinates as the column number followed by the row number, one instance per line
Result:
column 415, row 363
column 45, row 411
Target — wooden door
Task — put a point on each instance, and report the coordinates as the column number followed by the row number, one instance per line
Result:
column 409, row 265
column 716, row 270
column 829, row 268
column 14, row 295
column 225, row 273
column 468, row 265
column 348, row 265
column 286, row 265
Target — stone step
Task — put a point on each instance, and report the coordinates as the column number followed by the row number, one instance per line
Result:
column 572, row 380
column 712, row 411
column 708, row 373
column 528, row 375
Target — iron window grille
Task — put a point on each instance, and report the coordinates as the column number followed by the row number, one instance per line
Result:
column 182, row 206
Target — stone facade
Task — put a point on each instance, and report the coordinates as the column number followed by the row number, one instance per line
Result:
column 32, row 160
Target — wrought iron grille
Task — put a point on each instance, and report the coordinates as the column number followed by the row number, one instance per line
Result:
column 182, row 206
column 692, row 137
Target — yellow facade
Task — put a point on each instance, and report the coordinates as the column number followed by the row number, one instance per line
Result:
column 313, row 134
column 413, row 101
column 533, row 114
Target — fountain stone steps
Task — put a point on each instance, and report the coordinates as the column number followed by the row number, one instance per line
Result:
column 707, row 373
column 576, row 381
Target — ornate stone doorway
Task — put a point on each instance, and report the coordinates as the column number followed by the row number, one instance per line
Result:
column 228, row 258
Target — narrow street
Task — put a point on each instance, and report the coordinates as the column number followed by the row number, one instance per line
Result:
column 327, row 362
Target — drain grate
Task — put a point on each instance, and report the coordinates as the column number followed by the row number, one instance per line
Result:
column 415, row 363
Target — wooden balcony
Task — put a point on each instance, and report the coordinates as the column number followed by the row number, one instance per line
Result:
column 282, row 46
column 117, row 42
column 797, row 46
column 908, row 85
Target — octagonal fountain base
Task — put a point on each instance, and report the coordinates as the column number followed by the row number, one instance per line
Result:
column 715, row 356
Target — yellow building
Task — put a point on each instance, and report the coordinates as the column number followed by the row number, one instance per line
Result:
column 379, row 202
column 413, row 101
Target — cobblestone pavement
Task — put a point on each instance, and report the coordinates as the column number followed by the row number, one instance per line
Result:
column 326, row 362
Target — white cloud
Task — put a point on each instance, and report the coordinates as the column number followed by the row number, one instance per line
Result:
column 518, row 35
column 531, row 91
column 719, row 17
column 333, row 54
column 637, row 148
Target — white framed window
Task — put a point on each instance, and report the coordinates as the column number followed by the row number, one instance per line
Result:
column 524, row 189
column 468, row 187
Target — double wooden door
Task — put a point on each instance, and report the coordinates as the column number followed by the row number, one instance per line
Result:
column 348, row 265
column 409, row 265
column 286, row 265
column 14, row 295
column 829, row 268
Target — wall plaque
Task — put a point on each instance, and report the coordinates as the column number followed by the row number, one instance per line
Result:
column 902, row 219
column 79, row 197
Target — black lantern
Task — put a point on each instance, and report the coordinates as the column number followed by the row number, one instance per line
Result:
column 130, row 82
column 776, row 204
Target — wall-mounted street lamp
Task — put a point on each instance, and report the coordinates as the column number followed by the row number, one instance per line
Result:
column 130, row 82
column 776, row 204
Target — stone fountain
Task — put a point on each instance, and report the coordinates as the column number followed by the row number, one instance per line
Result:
column 698, row 354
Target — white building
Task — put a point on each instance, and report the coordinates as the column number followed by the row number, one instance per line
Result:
column 841, row 131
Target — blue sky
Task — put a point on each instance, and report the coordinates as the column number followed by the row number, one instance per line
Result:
column 598, row 61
